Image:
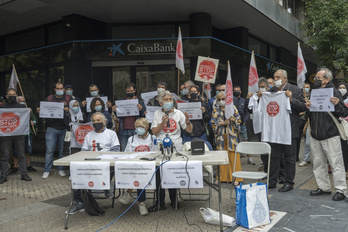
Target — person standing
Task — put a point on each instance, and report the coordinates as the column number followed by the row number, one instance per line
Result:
column 7, row 142
column 307, row 148
column 342, row 87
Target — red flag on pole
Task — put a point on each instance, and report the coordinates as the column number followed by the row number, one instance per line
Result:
column 180, row 54
column 253, row 76
column 229, row 106
column 301, row 68
column 14, row 79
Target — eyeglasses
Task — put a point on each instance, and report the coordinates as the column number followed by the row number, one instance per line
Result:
column 221, row 99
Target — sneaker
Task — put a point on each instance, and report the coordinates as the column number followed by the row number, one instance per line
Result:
column 108, row 194
column 125, row 198
column 251, row 161
column 26, row 177
column 61, row 173
column 303, row 163
column 142, row 209
column 13, row 171
column 77, row 208
column 31, row 169
column 45, row 175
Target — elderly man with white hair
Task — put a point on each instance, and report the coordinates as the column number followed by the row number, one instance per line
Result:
column 326, row 142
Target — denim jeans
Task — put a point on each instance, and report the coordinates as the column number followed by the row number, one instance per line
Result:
column 243, row 133
column 53, row 136
column 307, row 148
column 124, row 135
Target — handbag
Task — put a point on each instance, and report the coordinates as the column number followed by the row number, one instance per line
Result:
column 342, row 127
column 252, row 207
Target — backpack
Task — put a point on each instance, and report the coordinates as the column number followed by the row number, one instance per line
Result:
column 91, row 205
column 50, row 97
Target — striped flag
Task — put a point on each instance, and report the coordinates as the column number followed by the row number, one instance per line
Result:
column 301, row 68
column 180, row 54
column 229, row 106
column 14, row 79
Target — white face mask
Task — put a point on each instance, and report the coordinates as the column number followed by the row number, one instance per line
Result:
column 278, row 83
column 222, row 103
column 343, row 91
column 263, row 90
column 160, row 90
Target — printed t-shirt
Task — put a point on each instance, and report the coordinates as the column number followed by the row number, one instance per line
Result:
column 137, row 144
column 275, row 111
column 254, row 106
column 103, row 141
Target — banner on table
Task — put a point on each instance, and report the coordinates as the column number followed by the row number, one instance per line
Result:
column 14, row 121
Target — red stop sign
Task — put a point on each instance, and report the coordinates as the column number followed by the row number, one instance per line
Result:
column 272, row 108
column 91, row 184
column 9, row 122
column 142, row 148
column 206, row 69
column 81, row 132
column 136, row 183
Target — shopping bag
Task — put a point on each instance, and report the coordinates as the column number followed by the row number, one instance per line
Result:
column 252, row 207
column 211, row 216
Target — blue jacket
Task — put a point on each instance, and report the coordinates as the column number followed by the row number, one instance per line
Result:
column 242, row 108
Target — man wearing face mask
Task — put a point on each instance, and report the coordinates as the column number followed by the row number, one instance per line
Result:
column 326, row 141
column 127, row 128
column 56, row 129
column 297, row 104
column 70, row 91
column 186, row 91
column 161, row 87
column 7, row 142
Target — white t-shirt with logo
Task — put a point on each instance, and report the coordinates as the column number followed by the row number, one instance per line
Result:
column 137, row 144
column 103, row 141
column 254, row 106
column 177, row 120
column 275, row 111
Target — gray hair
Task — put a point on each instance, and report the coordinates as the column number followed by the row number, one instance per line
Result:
column 264, row 80
column 327, row 74
column 190, row 83
column 284, row 73
column 99, row 113
column 161, row 95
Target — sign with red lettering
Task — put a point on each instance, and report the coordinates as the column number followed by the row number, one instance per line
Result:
column 14, row 121
column 206, row 69
column 79, row 132
column 272, row 108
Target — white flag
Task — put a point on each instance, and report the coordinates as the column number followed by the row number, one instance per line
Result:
column 253, row 76
column 207, row 89
column 229, row 106
column 301, row 68
column 13, row 80
column 14, row 121
column 180, row 54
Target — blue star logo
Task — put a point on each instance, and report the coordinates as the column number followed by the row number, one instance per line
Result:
column 115, row 48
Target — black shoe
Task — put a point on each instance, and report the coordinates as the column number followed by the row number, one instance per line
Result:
column 31, row 169
column 3, row 180
column 319, row 192
column 13, row 171
column 338, row 196
column 286, row 188
column 26, row 177
column 272, row 186
column 281, row 181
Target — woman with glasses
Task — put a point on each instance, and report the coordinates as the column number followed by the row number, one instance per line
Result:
column 221, row 126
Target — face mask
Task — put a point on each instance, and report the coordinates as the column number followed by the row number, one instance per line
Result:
column 98, row 126
column 140, row 131
column 194, row 95
column 12, row 98
column 185, row 91
column 306, row 90
column 167, row 106
column 217, row 92
column 182, row 93
column 343, row 91
column 236, row 94
column 94, row 93
column 263, row 90
column 222, row 103
column 98, row 108
column 76, row 109
column 130, row 95
column 317, row 83
column 69, row 92
column 59, row 92
column 23, row 103
column 278, row 83
column 160, row 90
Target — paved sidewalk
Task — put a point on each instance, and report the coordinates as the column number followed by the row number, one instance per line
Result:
column 40, row 205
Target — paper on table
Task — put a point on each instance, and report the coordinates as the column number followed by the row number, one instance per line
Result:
column 125, row 156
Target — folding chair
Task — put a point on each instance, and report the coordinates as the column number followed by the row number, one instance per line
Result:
column 254, row 149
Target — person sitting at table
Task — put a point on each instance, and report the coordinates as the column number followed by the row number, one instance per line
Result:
column 101, row 139
column 143, row 141
column 176, row 120
column 221, row 126
column 98, row 105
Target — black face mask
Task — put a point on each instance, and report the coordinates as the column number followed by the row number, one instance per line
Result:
column 98, row 126
column 12, row 99
column 130, row 95
column 317, row 84
column 236, row 94
column 194, row 95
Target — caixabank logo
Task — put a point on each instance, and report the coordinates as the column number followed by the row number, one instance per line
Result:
column 142, row 48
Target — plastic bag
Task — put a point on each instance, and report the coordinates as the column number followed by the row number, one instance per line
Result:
column 211, row 216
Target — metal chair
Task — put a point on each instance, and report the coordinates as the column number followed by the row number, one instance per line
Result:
column 254, row 149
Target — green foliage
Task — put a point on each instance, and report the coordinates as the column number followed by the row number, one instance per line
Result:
column 326, row 27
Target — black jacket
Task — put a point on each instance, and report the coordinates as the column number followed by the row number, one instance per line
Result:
column 297, row 106
column 322, row 125
column 242, row 107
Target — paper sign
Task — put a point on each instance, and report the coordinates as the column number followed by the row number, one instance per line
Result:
column 193, row 109
column 135, row 175
column 206, row 69
column 89, row 100
column 150, row 112
column 174, row 174
column 51, row 109
column 148, row 95
column 320, row 100
column 90, row 175
column 127, row 108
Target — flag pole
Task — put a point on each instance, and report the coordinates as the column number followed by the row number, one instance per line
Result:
column 20, row 87
column 179, row 82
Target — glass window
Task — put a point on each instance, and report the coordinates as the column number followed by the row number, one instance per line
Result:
column 143, row 31
column 257, row 46
column 120, row 77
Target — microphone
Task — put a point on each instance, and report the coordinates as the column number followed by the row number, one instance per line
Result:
column 168, row 123
column 167, row 142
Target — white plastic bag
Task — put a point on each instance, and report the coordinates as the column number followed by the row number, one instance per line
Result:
column 211, row 216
